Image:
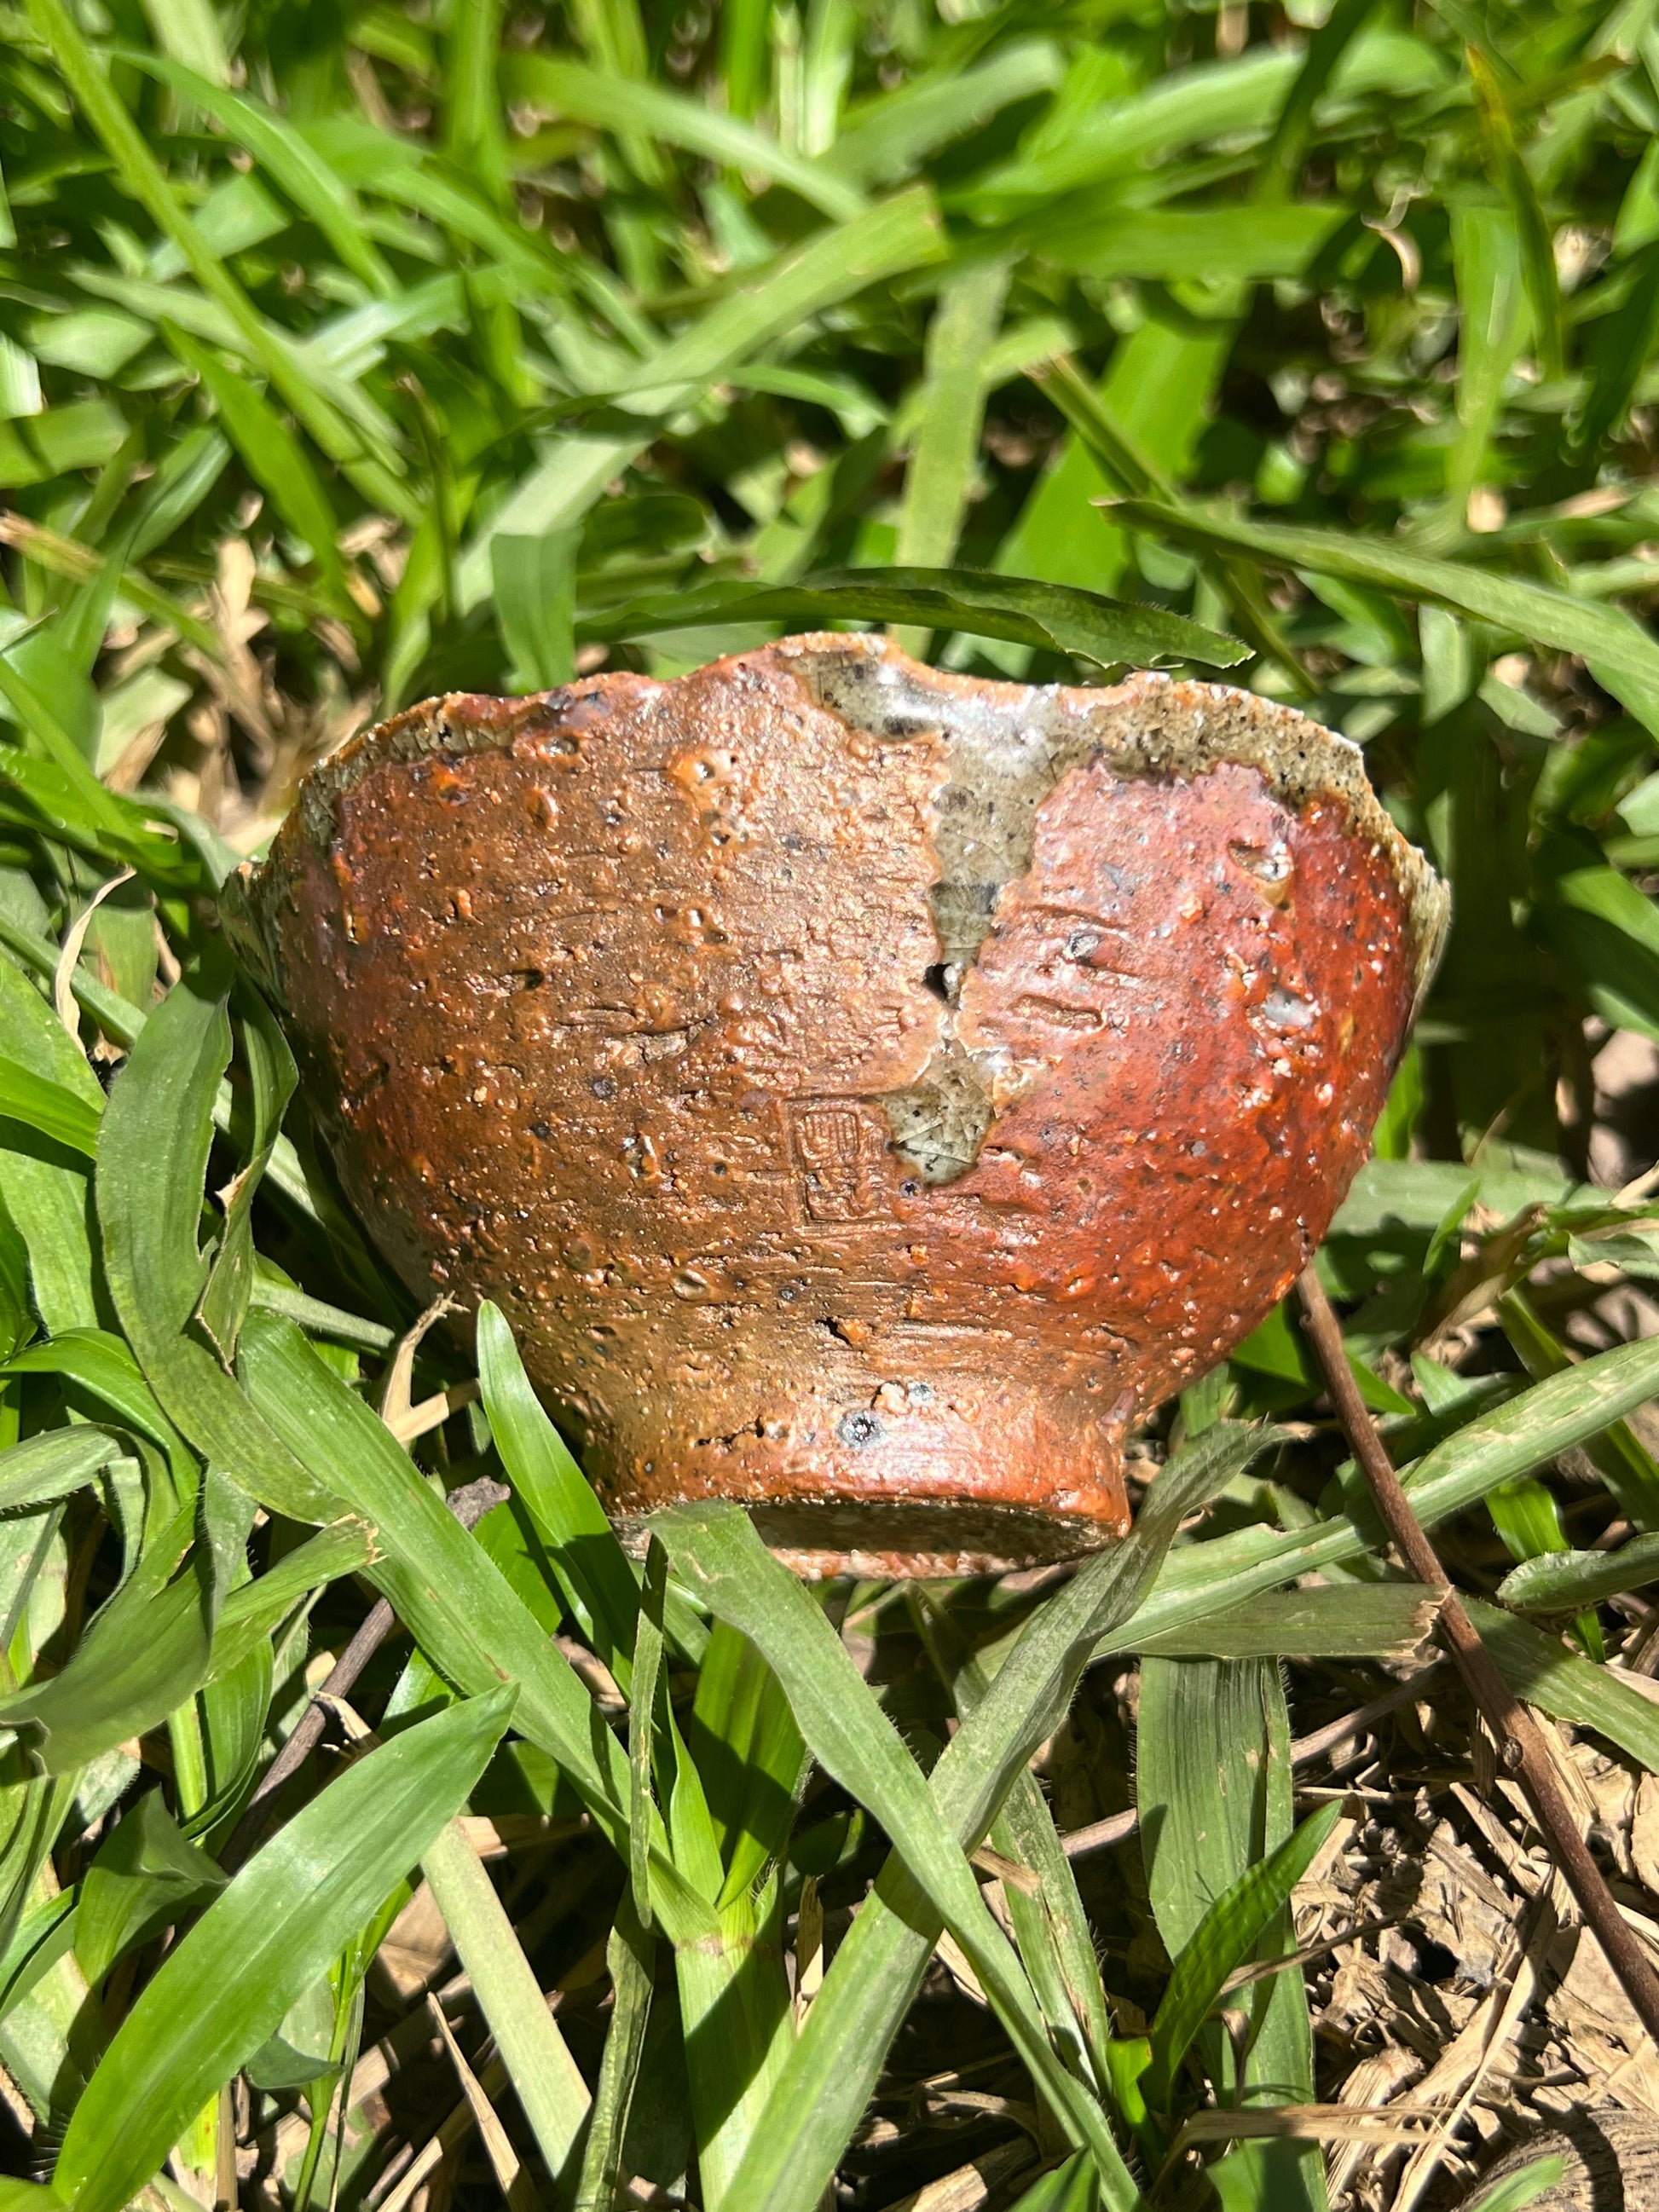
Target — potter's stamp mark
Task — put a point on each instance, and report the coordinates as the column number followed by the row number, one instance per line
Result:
column 839, row 1149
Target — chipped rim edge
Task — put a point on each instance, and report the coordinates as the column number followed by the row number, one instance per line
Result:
column 1300, row 758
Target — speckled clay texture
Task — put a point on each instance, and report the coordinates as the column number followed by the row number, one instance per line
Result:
column 866, row 1091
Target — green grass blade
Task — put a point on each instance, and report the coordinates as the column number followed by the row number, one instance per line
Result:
column 885, row 139
column 1072, row 2187
column 1563, row 1581
column 629, row 1956
column 1213, row 1783
column 1051, row 1927
column 631, row 108
column 1112, row 445
column 1516, row 2190
column 47, row 1202
column 1208, row 245
column 1052, row 1932
column 535, row 581
column 1032, row 1691
column 473, row 136
column 596, row 1580
column 718, row 1552
column 1613, row 642
column 60, row 798
column 551, row 2093
column 33, row 955
column 251, row 1613
column 233, row 1706
column 455, row 1602
column 1492, row 324
column 190, row 30
column 470, row 1622
column 141, row 176
column 123, row 1021
column 54, row 1464
column 899, row 235
column 63, row 785
column 1227, row 1932
column 749, row 1755
column 815, row 2107
column 613, row 33
column 946, row 451
column 319, row 1318
column 1624, row 348
column 1368, row 1620
column 266, row 1938
column 1057, row 617
column 152, row 1161
column 1542, row 1670
column 1515, row 181
column 285, row 155
column 271, row 1075
column 1565, row 1410
column 99, row 1365
column 739, row 2031
column 144, row 1654
column 145, row 1877
column 1494, row 1448
column 273, row 456
column 1626, row 1465
column 36, row 1040
column 642, row 1728
column 1282, row 160
column 1182, row 109
column 811, row 2114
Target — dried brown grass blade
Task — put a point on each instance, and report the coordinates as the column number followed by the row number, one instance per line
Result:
column 1306, row 2123
column 516, row 2185
column 969, row 2186
column 63, row 981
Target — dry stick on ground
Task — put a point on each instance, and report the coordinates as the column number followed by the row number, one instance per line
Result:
column 469, row 1505
column 1521, row 1748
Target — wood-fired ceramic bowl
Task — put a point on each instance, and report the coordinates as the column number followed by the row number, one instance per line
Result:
column 866, row 1091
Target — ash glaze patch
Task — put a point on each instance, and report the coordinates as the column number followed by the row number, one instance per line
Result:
column 941, row 1121
column 1008, row 747
column 1002, row 763
column 1010, row 743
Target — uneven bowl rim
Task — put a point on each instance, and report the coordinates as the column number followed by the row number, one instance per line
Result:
column 1301, row 759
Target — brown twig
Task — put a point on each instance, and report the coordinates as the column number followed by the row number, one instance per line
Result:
column 1307, row 1748
column 1522, row 1749
column 469, row 1505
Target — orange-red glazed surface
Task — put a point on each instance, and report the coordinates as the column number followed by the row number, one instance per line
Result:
column 866, row 1091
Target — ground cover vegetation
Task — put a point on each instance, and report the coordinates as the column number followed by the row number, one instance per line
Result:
column 349, row 354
